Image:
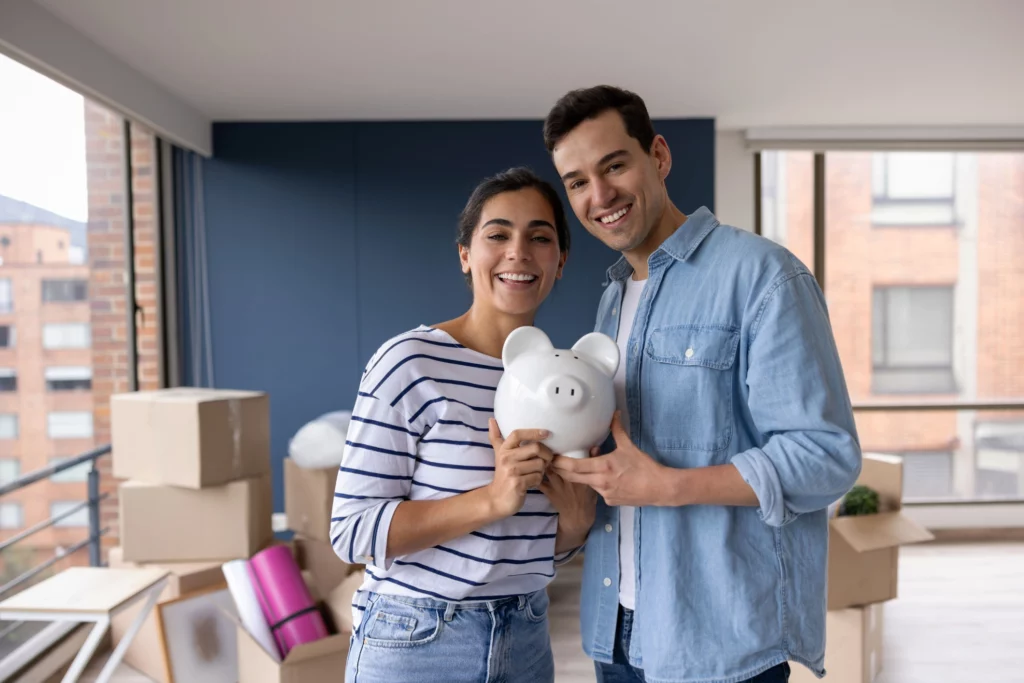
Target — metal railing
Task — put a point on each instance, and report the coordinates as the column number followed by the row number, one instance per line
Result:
column 92, row 502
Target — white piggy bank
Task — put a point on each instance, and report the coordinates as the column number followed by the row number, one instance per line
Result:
column 568, row 392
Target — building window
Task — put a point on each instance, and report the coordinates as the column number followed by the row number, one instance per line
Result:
column 11, row 516
column 69, row 425
column 8, row 426
column 66, row 336
column 8, row 379
column 999, row 458
column 65, row 291
column 927, row 474
column 78, row 518
column 72, row 474
column 913, row 188
column 912, row 340
column 10, row 469
column 68, row 378
column 6, row 295
column 6, row 336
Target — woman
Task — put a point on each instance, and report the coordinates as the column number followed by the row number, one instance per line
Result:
column 460, row 527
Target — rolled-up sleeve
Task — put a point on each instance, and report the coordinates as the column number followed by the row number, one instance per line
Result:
column 798, row 399
column 375, row 476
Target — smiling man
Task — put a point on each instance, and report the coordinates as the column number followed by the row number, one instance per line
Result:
column 707, row 560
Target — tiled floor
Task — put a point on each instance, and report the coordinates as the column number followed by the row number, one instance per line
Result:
column 959, row 619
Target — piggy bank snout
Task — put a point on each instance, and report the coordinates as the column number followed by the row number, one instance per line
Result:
column 563, row 391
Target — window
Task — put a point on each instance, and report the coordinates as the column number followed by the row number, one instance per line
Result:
column 913, row 188
column 75, row 519
column 11, row 516
column 6, row 296
column 999, row 449
column 62, row 291
column 8, row 426
column 8, row 379
column 66, row 336
column 68, row 378
column 72, row 474
column 10, row 469
column 6, row 336
column 912, row 340
column 927, row 474
column 69, row 425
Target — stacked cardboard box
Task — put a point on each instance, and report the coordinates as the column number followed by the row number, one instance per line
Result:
column 863, row 564
column 196, row 492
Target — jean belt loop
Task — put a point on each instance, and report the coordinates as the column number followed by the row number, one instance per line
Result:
column 522, row 601
column 449, row 611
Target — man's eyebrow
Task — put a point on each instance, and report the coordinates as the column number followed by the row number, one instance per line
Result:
column 604, row 160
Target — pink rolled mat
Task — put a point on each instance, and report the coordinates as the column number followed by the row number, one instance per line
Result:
column 285, row 599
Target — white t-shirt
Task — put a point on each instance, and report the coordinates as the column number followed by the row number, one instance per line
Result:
column 627, row 568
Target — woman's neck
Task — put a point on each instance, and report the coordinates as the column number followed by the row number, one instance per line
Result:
column 482, row 331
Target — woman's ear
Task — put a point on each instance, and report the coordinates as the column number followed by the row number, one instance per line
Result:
column 561, row 264
column 464, row 258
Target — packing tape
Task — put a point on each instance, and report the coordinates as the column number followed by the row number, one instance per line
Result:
column 235, row 418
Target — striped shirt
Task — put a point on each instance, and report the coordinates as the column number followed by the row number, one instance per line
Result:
column 419, row 432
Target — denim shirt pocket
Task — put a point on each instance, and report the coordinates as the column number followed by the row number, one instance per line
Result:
column 692, row 375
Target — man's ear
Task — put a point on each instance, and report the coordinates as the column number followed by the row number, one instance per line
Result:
column 662, row 156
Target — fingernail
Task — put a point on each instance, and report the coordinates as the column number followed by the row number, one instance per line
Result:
column 544, row 433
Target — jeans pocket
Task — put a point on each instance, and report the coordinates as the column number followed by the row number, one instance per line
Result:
column 537, row 606
column 392, row 623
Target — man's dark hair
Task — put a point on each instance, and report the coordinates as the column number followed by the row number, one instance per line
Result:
column 512, row 180
column 578, row 106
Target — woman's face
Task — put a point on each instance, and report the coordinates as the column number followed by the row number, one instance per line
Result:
column 513, row 256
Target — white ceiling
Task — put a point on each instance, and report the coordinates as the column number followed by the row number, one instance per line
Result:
column 745, row 62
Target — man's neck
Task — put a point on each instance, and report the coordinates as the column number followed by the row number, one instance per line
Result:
column 670, row 221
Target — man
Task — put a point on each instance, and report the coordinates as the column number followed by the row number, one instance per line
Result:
column 707, row 559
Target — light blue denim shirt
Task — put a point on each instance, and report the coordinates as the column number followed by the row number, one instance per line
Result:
column 731, row 359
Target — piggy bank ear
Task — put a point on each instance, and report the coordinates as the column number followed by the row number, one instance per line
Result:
column 600, row 350
column 524, row 339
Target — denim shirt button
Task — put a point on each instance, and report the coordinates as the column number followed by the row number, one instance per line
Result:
column 607, row 582
column 689, row 353
column 608, row 527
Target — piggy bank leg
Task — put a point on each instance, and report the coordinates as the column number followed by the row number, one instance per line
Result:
column 579, row 455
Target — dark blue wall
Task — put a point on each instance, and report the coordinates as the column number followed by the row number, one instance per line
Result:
column 326, row 239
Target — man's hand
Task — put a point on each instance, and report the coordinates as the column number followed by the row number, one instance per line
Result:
column 626, row 476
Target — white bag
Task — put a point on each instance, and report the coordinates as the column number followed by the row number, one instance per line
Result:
column 320, row 443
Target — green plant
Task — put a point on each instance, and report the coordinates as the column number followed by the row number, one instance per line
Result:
column 860, row 500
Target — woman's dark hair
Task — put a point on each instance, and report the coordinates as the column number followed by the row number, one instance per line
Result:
column 512, row 180
column 578, row 106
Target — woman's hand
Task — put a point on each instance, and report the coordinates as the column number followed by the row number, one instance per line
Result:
column 576, row 505
column 519, row 465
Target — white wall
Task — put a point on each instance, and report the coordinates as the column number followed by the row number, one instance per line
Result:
column 734, row 180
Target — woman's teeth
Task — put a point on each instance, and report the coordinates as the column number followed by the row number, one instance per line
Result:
column 517, row 277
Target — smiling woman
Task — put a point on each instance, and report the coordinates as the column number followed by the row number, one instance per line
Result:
column 449, row 516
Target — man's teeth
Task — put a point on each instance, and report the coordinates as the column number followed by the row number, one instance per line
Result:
column 615, row 216
column 518, row 277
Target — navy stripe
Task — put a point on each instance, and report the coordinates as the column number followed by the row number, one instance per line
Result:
column 437, row 488
column 456, row 382
column 493, row 562
column 550, row 576
column 438, row 359
column 366, row 395
column 386, row 426
column 452, row 442
column 376, row 525
column 439, row 573
column 361, row 608
column 351, row 497
column 352, row 542
column 338, row 519
column 462, row 424
column 535, row 492
column 511, row 538
column 435, row 595
column 479, row 409
column 410, row 339
column 375, row 475
column 376, row 449
column 471, row 468
column 535, row 514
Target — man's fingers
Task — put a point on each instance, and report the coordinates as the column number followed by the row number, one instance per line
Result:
column 532, row 481
column 579, row 465
column 618, row 431
column 533, row 465
column 594, row 481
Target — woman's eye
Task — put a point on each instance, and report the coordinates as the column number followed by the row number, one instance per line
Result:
column 542, row 238
column 496, row 236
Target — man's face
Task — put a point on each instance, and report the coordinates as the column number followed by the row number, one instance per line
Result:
column 614, row 186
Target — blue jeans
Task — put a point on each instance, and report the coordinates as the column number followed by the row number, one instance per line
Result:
column 621, row 671
column 417, row 640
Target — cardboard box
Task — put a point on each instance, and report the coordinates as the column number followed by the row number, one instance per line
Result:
column 190, row 437
column 853, row 647
column 322, row 660
column 309, row 499
column 161, row 523
column 863, row 554
column 146, row 652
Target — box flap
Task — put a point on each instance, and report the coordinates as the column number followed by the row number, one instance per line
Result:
column 884, row 474
column 301, row 653
column 884, row 530
column 187, row 395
